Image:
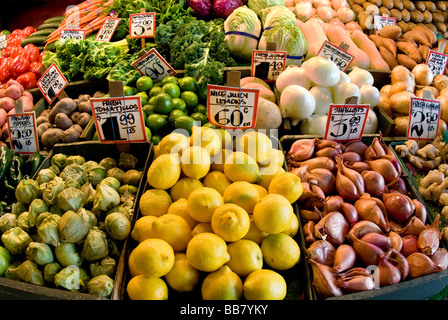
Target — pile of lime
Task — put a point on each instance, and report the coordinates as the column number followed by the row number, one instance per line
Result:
column 173, row 103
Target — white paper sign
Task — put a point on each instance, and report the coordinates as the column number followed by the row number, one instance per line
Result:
column 153, row 65
column 379, row 22
column 346, row 121
column 142, row 25
column 336, row 54
column 232, row 107
column 437, row 61
column 72, row 34
column 52, row 83
column 424, row 115
column 23, row 132
column 107, row 29
column 3, row 41
column 267, row 65
column 119, row 119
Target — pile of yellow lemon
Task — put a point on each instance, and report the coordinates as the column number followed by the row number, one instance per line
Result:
column 219, row 207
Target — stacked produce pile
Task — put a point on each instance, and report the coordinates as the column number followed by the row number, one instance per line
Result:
column 71, row 220
column 215, row 220
column 359, row 212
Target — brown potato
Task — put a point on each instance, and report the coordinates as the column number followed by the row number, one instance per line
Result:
column 41, row 119
column 406, row 16
column 84, row 106
column 83, row 119
column 395, row 13
column 65, row 105
column 398, row 4
column 77, row 127
column 409, row 5
column 42, row 128
column 62, row 121
column 98, row 94
column 70, row 135
column 74, row 116
column 84, row 97
column 52, row 136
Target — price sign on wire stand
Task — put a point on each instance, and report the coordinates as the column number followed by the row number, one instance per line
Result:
column 153, row 65
column 107, row 29
column 379, row 22
column 142, row 25
column 424, row 115
column 338, row 55
column 267, row 65
column 346, row 121
column 232, row 107
column 119, row 119
column 72, row 34
column 23, row 130
column 52, row 83
column 437, row 60
column 3, row 41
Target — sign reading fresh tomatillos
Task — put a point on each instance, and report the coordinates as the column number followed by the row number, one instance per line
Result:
column 72, row 34
column 232, row 107
column 142, row 25
column 267, row 65
column 379, row 22
column 23, row 132
column 119, row 120
column 437, row 61
column 107, row 29
column 346, row 122
column 424, row 115
column 52, row 83
column 153, row 65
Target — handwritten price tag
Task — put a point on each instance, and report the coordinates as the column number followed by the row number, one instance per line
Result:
column 153, row 65
column 107, row 29
column 142, row 25
column 3, row 41
column 232, row 107
column 424, row 115
column 52, row 83
column 336, row 54
column 119, row 120
column 346, row 122
column 22, row 130
column 267, row 65
column 72, row 34
column 379, row 22
column 437, row 61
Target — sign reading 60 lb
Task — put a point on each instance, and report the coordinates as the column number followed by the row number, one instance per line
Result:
column 232, row 107
column 153, row 65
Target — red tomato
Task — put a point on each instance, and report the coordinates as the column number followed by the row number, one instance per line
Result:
column 31, row 52
column 28, row 31
column 35, row 67
column 27, row 80
column 19, row 65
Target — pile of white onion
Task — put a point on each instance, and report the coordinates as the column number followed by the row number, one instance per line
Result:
column 306, row 93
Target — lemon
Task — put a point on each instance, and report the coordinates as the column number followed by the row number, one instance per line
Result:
column 261, row 191
column 173, row 229
column 183, row 277
column 230, row 222
column 184, row 187
column 133, row 271
column 202, row 227
column 195, row 162
column 255, row 144
column 179, row 208
column 239, row 166
column 207, row 138
column 245, row 257
column 173, row 143
column 226, row 138
column 293, row 227
column 144, row 288
column 154, row 202
column 202, row 203
column 223, row 284
column 288, row 185
column 243, row 194
column 219, row 159
column 207, row 252
column 217, row 180
column 164, row 171
column 142, row 228
column 154, row 257
column 267, row 174
column 280, row 251
column 276, row 158
column 254, row 233
column 264, row 284
column 273, row 213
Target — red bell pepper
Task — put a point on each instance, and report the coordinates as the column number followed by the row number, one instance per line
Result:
column 31, row 52
column 35, row 67
column 6, row 52
column 5, row 70
column 15, row 39
column 20, row 65
column 28, row 31
column 41, row 56
column 16, row 51
column 17, row 31
column 27, row 80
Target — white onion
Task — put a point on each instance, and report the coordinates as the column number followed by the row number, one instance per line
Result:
column 371, row 122
column 360, row 76
column 343, row 77
column 323, row 99
column 326, row 13
column 314, row 125
column 336, row 4
column 322, row 71
column 346, row 14
column 292, row 75
column 304, row 11
column 370, row 95
column 423, row 74
column 345, row 90
column 296, row 103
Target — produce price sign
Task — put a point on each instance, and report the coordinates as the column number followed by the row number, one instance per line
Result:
column 142, row 25
column 379, row 22
column 336, row 54
column 23, row 131
column 52, row 83
column 3, row 42
column 424, row 115
column 153, row 65
column 346, row 122
column 72, row 34
column 119, row 119
column 437, row 61
column 232, row 107
column 267, row 65
column 107, row 29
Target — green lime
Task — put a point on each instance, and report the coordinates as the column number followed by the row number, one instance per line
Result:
column 179, row 104
column 202, row 94
column 156, row 122
column 152, row 100
column 202, row 118
column 200, row 108
column 175, row 114
column 144, row 83
column 148, row 134
column 155, row 91
column 172, row 89
column 187, row 83
column 155, row 139
column 5, row 32
column 148, row 109
column 127, row 91
column 144, row 97
column 157, row 84
column 169, row 79
column 184, row 122
column 208, row 124
column 190, row 98
column 163, row 103
column 134, row 91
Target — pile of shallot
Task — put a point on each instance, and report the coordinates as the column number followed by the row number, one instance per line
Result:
column 361, row 226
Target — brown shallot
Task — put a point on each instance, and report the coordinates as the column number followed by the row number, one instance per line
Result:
column 385, row 168
column 397, row 185
column 309, row 215
column 350, row 156
column 332, row 227
column 379, row 240
column 421, row 265
column 409, row 244
column 375, row 150
column 440, row 258
column 328, row 152
column 374, row 182
column 429, row 239
column 349, row 183
column 332, row 203
column 396, row 241
column 368, row 253
column 324, row 280
column 358, row 166
column 354, row 272
column 308, row 232
column 387, row 272
column 420, row 210
column 414, row 226
column 355, row 146
column 325, row 143
column 344, row 258
column 316, row 162
column 399, row 206
column 356, row 284
column 399, row 261
column 302, row 149
column 322, row 251
column 350, row 213
column 361, row 228
column 324, row 178
column 368, row 209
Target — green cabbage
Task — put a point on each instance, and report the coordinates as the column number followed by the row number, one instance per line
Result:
column 275, row 15
column 257, row 5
